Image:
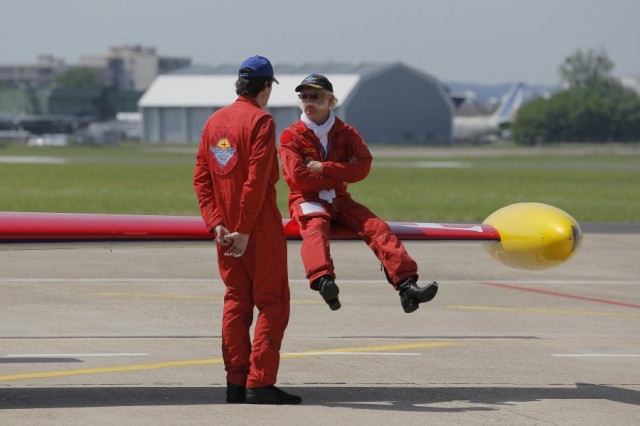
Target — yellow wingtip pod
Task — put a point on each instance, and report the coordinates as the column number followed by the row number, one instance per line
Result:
column 533, row 236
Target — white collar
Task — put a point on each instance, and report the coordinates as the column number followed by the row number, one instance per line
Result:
column 321, row 130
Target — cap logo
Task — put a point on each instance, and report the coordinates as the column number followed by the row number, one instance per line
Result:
column 316, row 81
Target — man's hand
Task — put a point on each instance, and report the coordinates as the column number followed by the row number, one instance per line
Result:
column 315, row 167
column 222, row 235
column 239, row 244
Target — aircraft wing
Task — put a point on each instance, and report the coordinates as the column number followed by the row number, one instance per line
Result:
column 27, row 227
column 522, row 235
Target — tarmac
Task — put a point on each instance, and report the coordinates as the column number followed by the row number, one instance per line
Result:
column 129, row 334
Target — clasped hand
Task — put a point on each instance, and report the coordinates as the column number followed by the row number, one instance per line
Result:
column 236, row 241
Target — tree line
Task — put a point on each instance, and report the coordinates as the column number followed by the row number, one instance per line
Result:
column 593, row 107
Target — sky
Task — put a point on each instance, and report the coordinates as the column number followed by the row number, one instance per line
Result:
column 472, row 41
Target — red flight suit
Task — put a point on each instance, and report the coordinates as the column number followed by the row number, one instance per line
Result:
column 346, row 160
column 234, row 178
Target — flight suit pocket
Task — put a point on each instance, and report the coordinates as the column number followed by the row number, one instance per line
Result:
column 308, row 209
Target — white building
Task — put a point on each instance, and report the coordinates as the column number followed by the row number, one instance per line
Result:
column 386, row 103
column 40, row 74
column 132, row 67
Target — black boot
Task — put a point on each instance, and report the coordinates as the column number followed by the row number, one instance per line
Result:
column 236, row 394
column 271, row 395
column 329, row 291
column 411, row 295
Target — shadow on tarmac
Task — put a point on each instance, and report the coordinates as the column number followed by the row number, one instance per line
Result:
column 362, row 398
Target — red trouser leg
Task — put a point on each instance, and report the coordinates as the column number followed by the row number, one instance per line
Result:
column 261, row 280
column 271, row 297
column 237, row 316
column 382, row 241
column 315, row 248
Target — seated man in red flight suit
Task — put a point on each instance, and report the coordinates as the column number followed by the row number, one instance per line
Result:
column 321, row 155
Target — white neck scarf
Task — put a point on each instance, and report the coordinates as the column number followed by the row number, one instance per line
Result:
column 321, row 130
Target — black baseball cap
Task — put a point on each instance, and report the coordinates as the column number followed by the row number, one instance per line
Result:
column 317, row 81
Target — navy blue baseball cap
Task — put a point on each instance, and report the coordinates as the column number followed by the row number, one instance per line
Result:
column 317, row 81
column 256, row 66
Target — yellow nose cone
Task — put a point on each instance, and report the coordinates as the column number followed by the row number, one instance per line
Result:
column 533, row 236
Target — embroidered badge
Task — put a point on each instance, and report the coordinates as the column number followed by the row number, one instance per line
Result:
column 225, row 154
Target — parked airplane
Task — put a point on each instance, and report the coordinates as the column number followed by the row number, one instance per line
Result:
column 523, row 235
column 480, row 127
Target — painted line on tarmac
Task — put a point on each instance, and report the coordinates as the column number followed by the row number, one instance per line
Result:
column 303, row 281
column 117, row 369
column 562, row 282
column 567, row 295
column 544, row 311
column 189, row 297
column 213, row 361
column 358, row 353
column 108, row 280
column 376, row 349
column 158, row 296
column 597, row 355
column 69, row 355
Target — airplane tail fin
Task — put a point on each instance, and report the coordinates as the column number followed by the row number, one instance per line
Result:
column 510, row 104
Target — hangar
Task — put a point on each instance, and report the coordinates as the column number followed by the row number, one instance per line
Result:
column 386, row 103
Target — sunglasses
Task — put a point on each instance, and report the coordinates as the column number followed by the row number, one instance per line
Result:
column 313, row 96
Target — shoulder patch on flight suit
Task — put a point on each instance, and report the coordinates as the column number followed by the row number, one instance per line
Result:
column 225, row 154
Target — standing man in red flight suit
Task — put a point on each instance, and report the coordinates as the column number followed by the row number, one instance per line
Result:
column 321, row 155
column 234, row 178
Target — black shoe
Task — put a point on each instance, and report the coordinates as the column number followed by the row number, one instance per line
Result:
column 329, row 291
column 271, row 395
column 236, row 394
column 411, row 295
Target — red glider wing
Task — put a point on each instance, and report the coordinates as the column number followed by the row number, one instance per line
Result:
column 24, row 227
